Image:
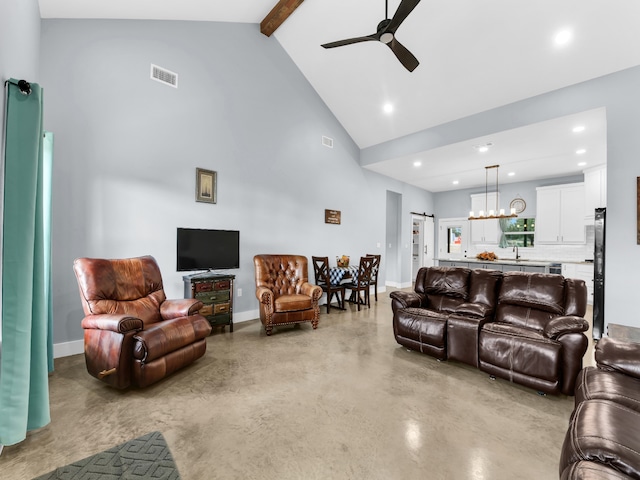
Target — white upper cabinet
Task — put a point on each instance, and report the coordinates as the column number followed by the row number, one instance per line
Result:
column 560, row 214
column 484, row 231
column 595, row 191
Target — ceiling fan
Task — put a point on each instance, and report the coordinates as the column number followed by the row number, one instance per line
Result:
column 386, row 33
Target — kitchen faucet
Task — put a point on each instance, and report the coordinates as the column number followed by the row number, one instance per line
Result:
column 515, row 249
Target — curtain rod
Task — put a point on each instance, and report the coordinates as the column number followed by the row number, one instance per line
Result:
column 423, row 214
column 23, row 85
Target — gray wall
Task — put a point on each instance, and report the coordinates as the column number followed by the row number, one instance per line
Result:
column 617, row 92
column 127, row 148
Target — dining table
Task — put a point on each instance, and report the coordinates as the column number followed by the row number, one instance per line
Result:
column 337, row 274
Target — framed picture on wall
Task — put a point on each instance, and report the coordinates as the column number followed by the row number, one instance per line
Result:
column 206, row 181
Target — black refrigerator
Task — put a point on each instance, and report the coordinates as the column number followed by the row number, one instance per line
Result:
column 598, row 273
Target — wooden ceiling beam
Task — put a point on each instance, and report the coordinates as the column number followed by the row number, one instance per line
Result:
column 277, row 15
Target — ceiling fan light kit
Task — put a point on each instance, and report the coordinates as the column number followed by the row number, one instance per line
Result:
column 386, row 34
column 491, row 214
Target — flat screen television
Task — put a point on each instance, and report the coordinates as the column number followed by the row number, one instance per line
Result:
column 200, row 249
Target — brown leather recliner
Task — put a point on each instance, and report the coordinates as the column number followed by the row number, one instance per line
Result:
column 133, row 335
column 421, row 319
column 284, row 292
column 602, row 440
column 536, row 338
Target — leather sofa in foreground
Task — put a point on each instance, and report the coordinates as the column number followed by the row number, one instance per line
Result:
column 523, row 327
column 603, row 438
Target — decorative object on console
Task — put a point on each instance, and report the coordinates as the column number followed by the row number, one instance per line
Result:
column 490, row 213
column 206, row 186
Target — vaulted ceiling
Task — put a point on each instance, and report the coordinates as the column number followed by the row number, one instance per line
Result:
column 474, row 55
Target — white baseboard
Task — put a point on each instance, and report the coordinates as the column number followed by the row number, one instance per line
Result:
column 68, row 348
column 240, row 317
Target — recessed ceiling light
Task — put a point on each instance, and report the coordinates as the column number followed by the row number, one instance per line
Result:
column 563, row 37
column 511, row 174
column 581, row 151
column 483, row 148
column 456, row 182
column 582, row 164
column 388, row 108
column 417, row 163
column 578, row 129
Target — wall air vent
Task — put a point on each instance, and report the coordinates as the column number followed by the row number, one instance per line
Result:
column 327, row 142
column 163, row 75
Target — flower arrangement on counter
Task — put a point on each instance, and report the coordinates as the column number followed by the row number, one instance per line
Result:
column 490, row 256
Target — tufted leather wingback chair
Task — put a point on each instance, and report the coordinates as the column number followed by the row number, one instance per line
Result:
column 133, row 335
column 284, row 292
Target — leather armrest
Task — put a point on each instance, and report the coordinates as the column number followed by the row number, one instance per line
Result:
column 162, row 338
column 474, row 310
column 407, row 299
column 314, row 291
column 179, row 308
column 618, row 355
column 565, row 324
column 119, row 323
column 264, row 295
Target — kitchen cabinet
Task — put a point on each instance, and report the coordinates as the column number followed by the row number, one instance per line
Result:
column 484, row 231
column 452, row 263
column 595, row 191
column 560, row 214
column 582, row 271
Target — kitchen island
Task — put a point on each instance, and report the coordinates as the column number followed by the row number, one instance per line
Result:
column 503, row 265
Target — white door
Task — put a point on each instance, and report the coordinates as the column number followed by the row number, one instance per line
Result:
column 422, row 243
column 429, row 242
column 453, row 238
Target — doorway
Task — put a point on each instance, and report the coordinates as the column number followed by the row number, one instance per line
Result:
column 422, row 243
column 453, row 238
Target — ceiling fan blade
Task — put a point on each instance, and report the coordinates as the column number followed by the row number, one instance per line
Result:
column 405, row 8
column 349, row 41
column 405, row 56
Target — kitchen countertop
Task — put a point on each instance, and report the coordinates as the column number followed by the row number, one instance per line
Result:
column 512, row 261
column 505, row 261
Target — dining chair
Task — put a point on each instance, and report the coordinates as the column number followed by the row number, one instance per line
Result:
column 359, row 285
column 375, row 268
column 323, row 280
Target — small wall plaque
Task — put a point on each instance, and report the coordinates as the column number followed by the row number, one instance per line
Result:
column 332, row 216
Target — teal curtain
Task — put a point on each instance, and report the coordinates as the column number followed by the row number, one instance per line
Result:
column 26, row 301
column 504, row 225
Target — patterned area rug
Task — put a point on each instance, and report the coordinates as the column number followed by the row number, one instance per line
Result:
column 146, row 457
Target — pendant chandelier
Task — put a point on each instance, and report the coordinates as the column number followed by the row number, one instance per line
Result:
column 489, row 213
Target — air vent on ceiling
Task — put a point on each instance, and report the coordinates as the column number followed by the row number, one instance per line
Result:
column 327, row 142
column 163, row 75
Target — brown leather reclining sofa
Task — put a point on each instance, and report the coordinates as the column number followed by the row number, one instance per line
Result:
column 523, row 327
column 603, row 439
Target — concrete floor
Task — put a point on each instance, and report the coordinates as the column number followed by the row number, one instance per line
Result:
column 342, row 402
